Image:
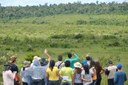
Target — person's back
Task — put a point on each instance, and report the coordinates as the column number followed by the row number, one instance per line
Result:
column 59, row 63
column 120, row 76
column 25, row 74
column 8, row 75
column 112, row 70
column 66, row 73
column 72, row 60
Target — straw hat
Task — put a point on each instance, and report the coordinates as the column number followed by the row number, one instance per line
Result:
column 26, row 63
column 77, row 65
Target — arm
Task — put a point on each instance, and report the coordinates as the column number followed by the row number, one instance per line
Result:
column 76, row 57
column 12, row 74
column 46, row 53
column 115, row 78
column 72, row 76
column 125, row 77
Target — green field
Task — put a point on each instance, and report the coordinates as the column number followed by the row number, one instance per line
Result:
column 103, row 37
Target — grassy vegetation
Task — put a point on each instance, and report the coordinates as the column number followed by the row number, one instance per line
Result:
column 104, row 37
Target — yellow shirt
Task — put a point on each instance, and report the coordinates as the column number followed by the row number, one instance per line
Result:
column 53, row 74
column 66, row 72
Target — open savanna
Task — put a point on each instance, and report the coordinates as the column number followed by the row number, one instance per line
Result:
column 104, row 37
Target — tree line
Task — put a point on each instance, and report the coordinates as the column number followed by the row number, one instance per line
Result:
column 16, row 12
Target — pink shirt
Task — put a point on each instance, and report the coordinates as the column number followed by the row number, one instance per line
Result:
column 8, row 77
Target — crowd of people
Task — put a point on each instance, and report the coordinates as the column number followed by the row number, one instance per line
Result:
column 45, row 71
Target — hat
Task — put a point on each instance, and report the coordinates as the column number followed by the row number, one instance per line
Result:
column 26, row 63
column 43, row 61
column 36, row 57
column 77, row 65
column 84, row 62
column 119, row 66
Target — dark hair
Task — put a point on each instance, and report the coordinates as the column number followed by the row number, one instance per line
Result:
column 78, row 70
column 86, row 69
column 88, row 58
column 110, row 62
column 67, row 63
column 59, row 58
column 69, row 55
column 52, row 64
column 98, row 68
column 92, row 64
column 7, row 66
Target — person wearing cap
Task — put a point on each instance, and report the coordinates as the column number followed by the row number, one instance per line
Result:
column 120, row 76
column 77, row 74
column 25, row 73
column 36, row 73
column 8, row 75
column 72, row 60
column 88, row 58
column 110, row 71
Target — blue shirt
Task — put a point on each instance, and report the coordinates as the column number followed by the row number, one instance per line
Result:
column 120, row 78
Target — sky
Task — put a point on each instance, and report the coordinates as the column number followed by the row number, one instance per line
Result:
column 42, row 2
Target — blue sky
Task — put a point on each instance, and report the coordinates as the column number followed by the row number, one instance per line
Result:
column 37, row 2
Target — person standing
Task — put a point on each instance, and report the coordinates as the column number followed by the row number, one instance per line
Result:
column 25, row 73
column 120, row 76
column 110, row 71
column 66, row 73
column 99, row 71
column 14, row 68
column 77, row 74
column 86, row 75
column 72, row 60
column 8, row 75
column 52, row 74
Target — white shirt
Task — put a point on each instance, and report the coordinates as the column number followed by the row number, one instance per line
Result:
column 112, row 70
column 8, row 77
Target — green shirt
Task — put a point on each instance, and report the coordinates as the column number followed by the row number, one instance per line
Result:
column 72, row 60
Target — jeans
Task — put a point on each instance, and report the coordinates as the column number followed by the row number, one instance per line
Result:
column 50, row 82
column 93, row 83
column 66, row 83
column 37, row 82
column 98, row 82
column 24, row 83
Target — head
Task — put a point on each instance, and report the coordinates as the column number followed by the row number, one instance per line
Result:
column 69, row 55
column 119, row 66
column 86, row 69
column 59, row 58
column 7, row 66
column 98, row 67
column 78, row 67
column 110, row 62
column 92, row 64
column 52, row 64
column 43, row 61
column 36, row 62
column 88, row 58
column 13, row 59
column 67, row 63
column 84, row 62
column 26, row 63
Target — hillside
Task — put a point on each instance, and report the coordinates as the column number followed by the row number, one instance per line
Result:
column 103, row 36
